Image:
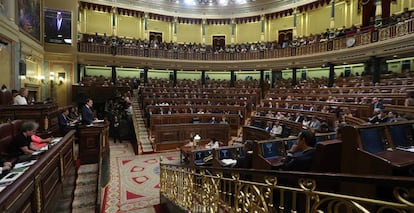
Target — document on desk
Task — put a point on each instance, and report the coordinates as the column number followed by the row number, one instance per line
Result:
column 24, row 164
column 9, row 178
column 406, row 148
column 37, row 152
column 56, row 140
column 98, row 121
column 227, row 162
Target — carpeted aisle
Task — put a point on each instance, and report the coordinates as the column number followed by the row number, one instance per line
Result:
column 134, row 185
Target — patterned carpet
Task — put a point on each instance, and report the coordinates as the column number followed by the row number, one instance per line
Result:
column 134, row 185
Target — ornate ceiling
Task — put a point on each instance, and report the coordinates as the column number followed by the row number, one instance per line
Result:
column 206, row 8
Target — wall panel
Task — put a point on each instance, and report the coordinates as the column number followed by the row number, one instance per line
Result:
column 248, row 32
column 161, row 27
column 129, row 26
column 319, row 20
column 218, row 29
column 100, row 22
column 187, row 33
column 279, row 24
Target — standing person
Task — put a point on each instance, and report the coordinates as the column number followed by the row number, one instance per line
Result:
column 87, row 113
column 22, row 142
column 115, row 126
column 59, row 27
column 20, row 99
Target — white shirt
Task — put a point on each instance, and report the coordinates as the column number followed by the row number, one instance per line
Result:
column 19, row 100
column 59, row 24
column 276, row 130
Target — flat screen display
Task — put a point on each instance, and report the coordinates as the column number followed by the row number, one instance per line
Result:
column 58, row 26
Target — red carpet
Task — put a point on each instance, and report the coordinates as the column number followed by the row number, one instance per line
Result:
column 134, row 185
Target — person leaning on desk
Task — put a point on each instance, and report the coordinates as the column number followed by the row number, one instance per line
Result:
column 21, row 144
column 300, row 155
column 65, row 124
column 6, row 166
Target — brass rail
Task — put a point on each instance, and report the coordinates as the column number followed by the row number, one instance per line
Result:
column 207, row 189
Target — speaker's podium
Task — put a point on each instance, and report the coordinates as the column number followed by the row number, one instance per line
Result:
column 94, row 149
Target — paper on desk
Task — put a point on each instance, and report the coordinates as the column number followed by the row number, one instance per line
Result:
column 37, row 152
column 229, row 161
column 24, row 164
column 407, row 149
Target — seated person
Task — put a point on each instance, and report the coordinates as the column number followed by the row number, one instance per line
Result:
column 380, row 117
column 224, row 120
column 20, row 99
column 22, row 142
column 5, row 165
column 213, row 120
column 74, row 114
column 276, row 129
column 315, row 124
column 65, row 124
column 269, row 126
column 39, row 142
column 300, row 155
column 213, row 144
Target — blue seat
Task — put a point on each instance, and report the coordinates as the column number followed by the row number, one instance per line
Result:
column 373, row 139
column 402, row 135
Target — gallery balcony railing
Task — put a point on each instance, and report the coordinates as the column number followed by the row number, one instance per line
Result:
column 212, row 189
column 363, row 37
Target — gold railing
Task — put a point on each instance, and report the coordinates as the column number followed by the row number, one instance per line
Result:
column 206, row 189
column 364, row 37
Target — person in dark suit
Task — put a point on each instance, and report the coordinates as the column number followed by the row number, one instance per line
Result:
column 298, row 117
column 299, row 157
column 87, row 113
column 65, row 124
column 59, row 28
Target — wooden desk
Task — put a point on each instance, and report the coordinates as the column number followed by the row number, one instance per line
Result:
column 374, row 152
column 172, row 136
column 40, row 188
column 93, row 142
column 94, row 148
column 46, row 115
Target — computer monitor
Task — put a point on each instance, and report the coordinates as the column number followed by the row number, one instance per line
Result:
column 58, row 26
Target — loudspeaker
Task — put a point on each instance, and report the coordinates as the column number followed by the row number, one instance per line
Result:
column 22, row 67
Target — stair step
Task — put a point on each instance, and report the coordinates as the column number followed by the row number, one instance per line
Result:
column 85, row 200
column 64, row 206
column 85, row 190
column 88, row 168
column 87, row 179
column 89, row 209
